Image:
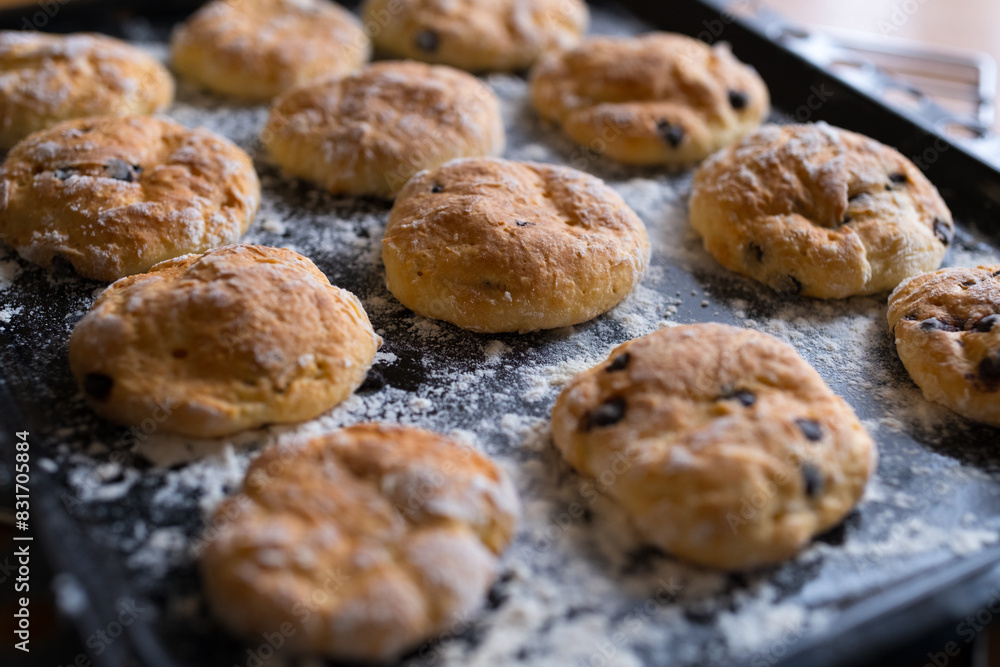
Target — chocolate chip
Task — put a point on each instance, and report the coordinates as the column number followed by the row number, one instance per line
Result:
column 64, row 172
column 812, row 480
column 898, row 178
column 436, row 188
column 986, row 324
column 811, row 429
column 495, row 599
column 672, row 134
column 374, row 381
column 738, row 99
column 611, row 412
column 427, row 41
column 521, row 223
column 934, row 324
column 989, row 367
column 943, row 231
column 757, row 251
column 619, row 363
column 97, row 385
column 790, row 285
column 120, row 170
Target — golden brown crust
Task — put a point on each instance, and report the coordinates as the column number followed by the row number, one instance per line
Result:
column 114, row 196
column 258, row 49
column 819, row 211
column 475, row 35
column 397, row 528
column 492, row 245
column 212, row 344
column 657, row 99
column 947, row 330
column 51, row 78
column 369, row 132
column 723, row 444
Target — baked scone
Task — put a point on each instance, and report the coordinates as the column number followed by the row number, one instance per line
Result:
column 51, row 78
column 492, row 245
column 213, row 344
column 368, row 541
column 114, row 196
column 475, row 35
column 367, row 133
column 947, row 330
column 725, row 447
column 819, row 211
column 257, row 49
column 661, row 98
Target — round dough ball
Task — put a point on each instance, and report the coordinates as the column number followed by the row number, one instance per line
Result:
column 660, row 99
column 475, row 35
column 209, row 345
column 113, row 196
column 258, row 49
column 367, row 133
column 819, row 211
column 52, row 78
column 493, row 246
column 725, row 447
column 398, row 527
column 947, row 330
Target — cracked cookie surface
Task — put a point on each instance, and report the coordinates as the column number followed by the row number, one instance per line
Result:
column 209, row 345
column 367, row 540
column 725, row 447
column 819, row 211
column 946, row 326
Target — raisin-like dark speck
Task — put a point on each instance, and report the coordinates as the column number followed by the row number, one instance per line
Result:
column 436, row 188
column 619, row 363
column 98, row 385
column 427, row 41
column 672, row 134
column 986, row 324
column 120, row 170
column 898, row 178
column 738, row 99
column 943, row 231
column 611, row 412
column 812, row 480
column 811, row 429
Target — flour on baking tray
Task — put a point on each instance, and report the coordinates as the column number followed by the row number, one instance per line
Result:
column 577, row 587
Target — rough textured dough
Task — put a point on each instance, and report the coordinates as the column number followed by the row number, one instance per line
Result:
column 723, row 444
column 492, row 245
column 657, row 99
column 398, row 527
column 367, row 133
column 209, row 345
column 819, row 211
column 111, row 197
column 947, row 330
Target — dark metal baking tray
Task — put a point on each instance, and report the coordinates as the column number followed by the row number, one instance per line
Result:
column 854, row 595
